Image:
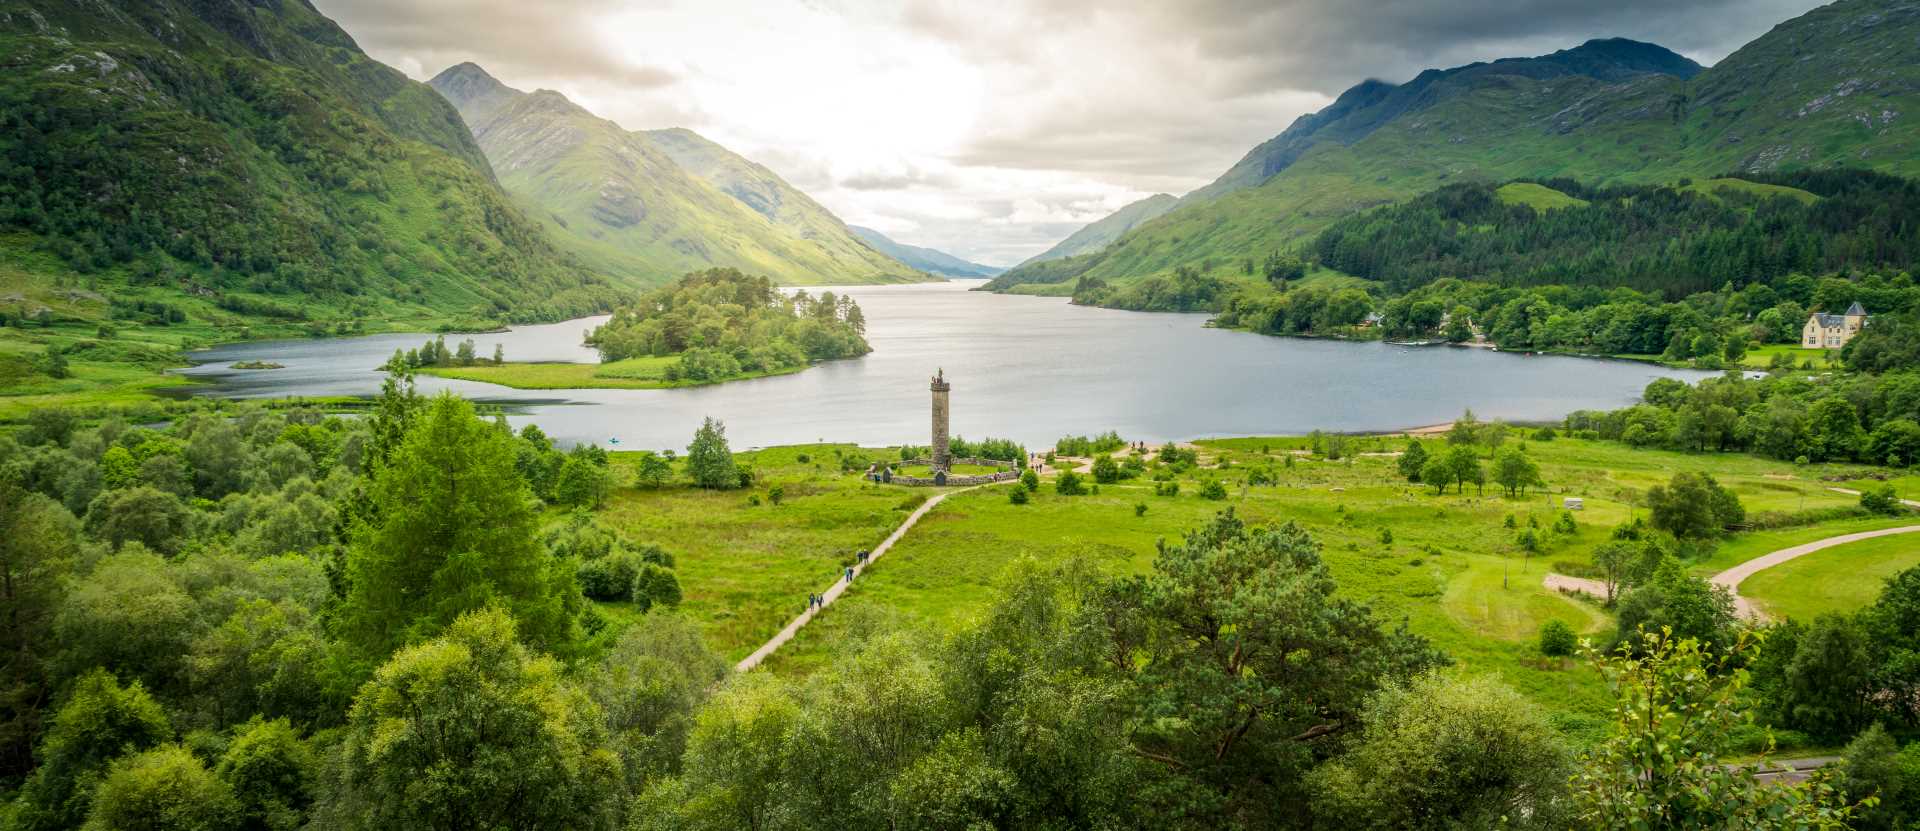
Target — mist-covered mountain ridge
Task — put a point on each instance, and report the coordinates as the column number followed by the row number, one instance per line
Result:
column 649, row 205
column 1826, row 89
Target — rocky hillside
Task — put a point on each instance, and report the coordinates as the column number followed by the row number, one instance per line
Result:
column 224, row 161
column 1839, row 86
column 930, row 260
column 649, row 206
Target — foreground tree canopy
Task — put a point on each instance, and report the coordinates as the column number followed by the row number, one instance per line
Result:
column 284, row 620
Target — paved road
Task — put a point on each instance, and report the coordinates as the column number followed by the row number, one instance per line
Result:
column 1733, row 577
column 841, row 584
column 1788, row 771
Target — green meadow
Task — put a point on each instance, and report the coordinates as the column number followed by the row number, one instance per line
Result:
column 1448, row 566
column 643, row 373
column 1844, row 578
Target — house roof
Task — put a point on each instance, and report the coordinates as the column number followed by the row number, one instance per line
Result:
column 1827, row 321
column 1856, row 309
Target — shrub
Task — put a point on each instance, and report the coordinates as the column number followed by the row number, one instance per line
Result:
column 1168, row 488
column 656, row 585
column 1069, row 484
column 1214, row 490
column 1030, row 480
column 610, row 577
column 1882, row 499
column 1557, row 639
column 1565, row 524
column 1139, row 509
column 1018, row 496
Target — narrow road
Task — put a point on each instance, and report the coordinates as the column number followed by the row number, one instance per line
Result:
column 840, row 583
column 1851, row 492
column 1790, row 771
column 1733, row 577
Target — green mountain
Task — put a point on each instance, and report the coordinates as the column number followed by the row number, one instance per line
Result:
column 224, row 162
column 649, row 206
column 1838, row 86
column 1100, row 234
column 929, row 260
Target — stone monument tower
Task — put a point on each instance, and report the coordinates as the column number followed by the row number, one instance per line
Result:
column 941, row 458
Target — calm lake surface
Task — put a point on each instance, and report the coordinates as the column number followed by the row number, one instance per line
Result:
column 1027, row 368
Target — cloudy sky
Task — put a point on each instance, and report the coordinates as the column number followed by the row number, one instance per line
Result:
column 993, row 129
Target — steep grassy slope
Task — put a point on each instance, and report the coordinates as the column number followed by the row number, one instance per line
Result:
column 650, row 206
column 770, row 196
column 230, row 163
column 930, row 260
column 1839, row 86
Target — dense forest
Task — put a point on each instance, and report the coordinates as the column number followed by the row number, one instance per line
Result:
column 1558, row 265
column 1620, row 271
column 255, row 619
column 721, row 322
column 1671, row 241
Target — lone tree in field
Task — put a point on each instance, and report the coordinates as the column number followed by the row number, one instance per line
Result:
column 1615, row 559
column 1693, row 506
column 1515, row 471
column 1413, row 460
column 1438, row 473
column 709, row 461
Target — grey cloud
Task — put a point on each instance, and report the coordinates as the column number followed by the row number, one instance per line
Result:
column 1253, row 49
column 1140, row 95
column 1329, row 45
column 511, row 38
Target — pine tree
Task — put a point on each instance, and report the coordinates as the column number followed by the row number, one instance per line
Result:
column 456, row 533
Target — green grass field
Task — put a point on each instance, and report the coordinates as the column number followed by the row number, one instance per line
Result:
column 1538, row 197
column 116, row 360
column 1453, row 572
column 1761, row 357
column 1711, row 187
column 746, row 568
column 1844, row 579
column 644, row 373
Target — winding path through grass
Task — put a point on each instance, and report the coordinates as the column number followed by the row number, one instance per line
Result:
column 1733, row 577
column 841, row 583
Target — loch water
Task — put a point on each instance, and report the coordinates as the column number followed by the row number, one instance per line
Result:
column 1027, row 368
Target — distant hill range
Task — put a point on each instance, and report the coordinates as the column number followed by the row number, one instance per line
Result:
column 1836, row 87
column 647, row 206
column 1102, row 233
column 221, row 162
column 929, row 260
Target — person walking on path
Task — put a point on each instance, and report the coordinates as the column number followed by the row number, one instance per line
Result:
column 849, row 574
